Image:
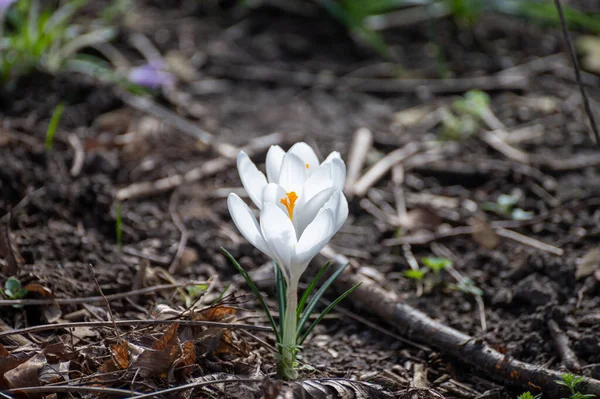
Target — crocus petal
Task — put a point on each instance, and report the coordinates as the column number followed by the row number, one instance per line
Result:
column 254, row 180
column 308, row 211
column 246, row 223
column 273, row 163
column 337, row 169
column 306, row 154
column 341, row 213
column 274, row 193
column 317, row 234
column 293, row 173
column 317, row 182
column 279, row 233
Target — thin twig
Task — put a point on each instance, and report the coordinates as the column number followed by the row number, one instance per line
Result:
column 195, row 385
column 91, row 299
column 79, row 156
column 106, row 301
column 47, row 327
column 75, row 388
column 361, row 144
column 586, row 101
column 532, row 242
column 182, row 231
column 378, row 170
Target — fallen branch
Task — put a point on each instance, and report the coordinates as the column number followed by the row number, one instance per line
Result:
column 47, row 327
column 209, row 168
column 416, row 325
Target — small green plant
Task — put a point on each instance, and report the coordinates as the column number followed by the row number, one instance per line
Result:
column 301, row 311
column 53, row 125
column 436, row 264
column 43, row 38
column 505, row 206
column 529, row 395
column 417, row 275
column 571, row 381
column 467, row 286
column 13, row 288
column 118, row 224
column 463, row 119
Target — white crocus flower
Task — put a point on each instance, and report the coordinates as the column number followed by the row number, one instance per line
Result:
column 301, row 205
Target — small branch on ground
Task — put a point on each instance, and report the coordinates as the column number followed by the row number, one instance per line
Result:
column 416, row 325
column 561, row 342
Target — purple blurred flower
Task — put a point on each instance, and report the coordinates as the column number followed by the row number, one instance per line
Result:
column 151, row 75
column 4, row 4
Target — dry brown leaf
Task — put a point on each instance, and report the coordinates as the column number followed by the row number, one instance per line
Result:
column 3, row 351
column 51, row 312
column 156, row 362
column 215, row 313
column 588, row 264
column 119, row 360
column 188, row 357
column 421, row 218
column 169, row 338
column 483, row 234
column 9, row 362
column 26, row 374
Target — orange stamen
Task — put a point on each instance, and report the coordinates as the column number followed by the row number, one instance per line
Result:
column 307, row 166
column 289, row 201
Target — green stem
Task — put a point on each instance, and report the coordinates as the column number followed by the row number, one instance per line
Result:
column 289, row 348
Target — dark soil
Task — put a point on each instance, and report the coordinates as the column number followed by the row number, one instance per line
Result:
column 61, row 224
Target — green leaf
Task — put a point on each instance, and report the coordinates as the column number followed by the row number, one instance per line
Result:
column 415, row 274
column 311, row 286
column 255, row 291
column 221, row 294
column 467, row 286
column 327, row 310
column 53, row 125
column 280, row 289
column 436, row 264
column 12, row 288
column 315, row 299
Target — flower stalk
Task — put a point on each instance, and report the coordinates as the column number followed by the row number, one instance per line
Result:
column 288, row 346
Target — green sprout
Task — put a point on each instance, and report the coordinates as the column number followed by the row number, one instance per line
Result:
column 505, row 206
column 571, row 381
column 417, row 275
column 467, row 286
column 529, row 395
column 436, row 264
column 53, row 125
column 118, row 225
column 43, row 38
column 13, row 289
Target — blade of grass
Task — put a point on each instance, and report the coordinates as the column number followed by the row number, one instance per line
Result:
column 118, row 224
column 53, row 125
column 255, row 291
column 308, row 291
column 221, row 294
column 315, row 299
column 327, row 310
column 280, row 291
